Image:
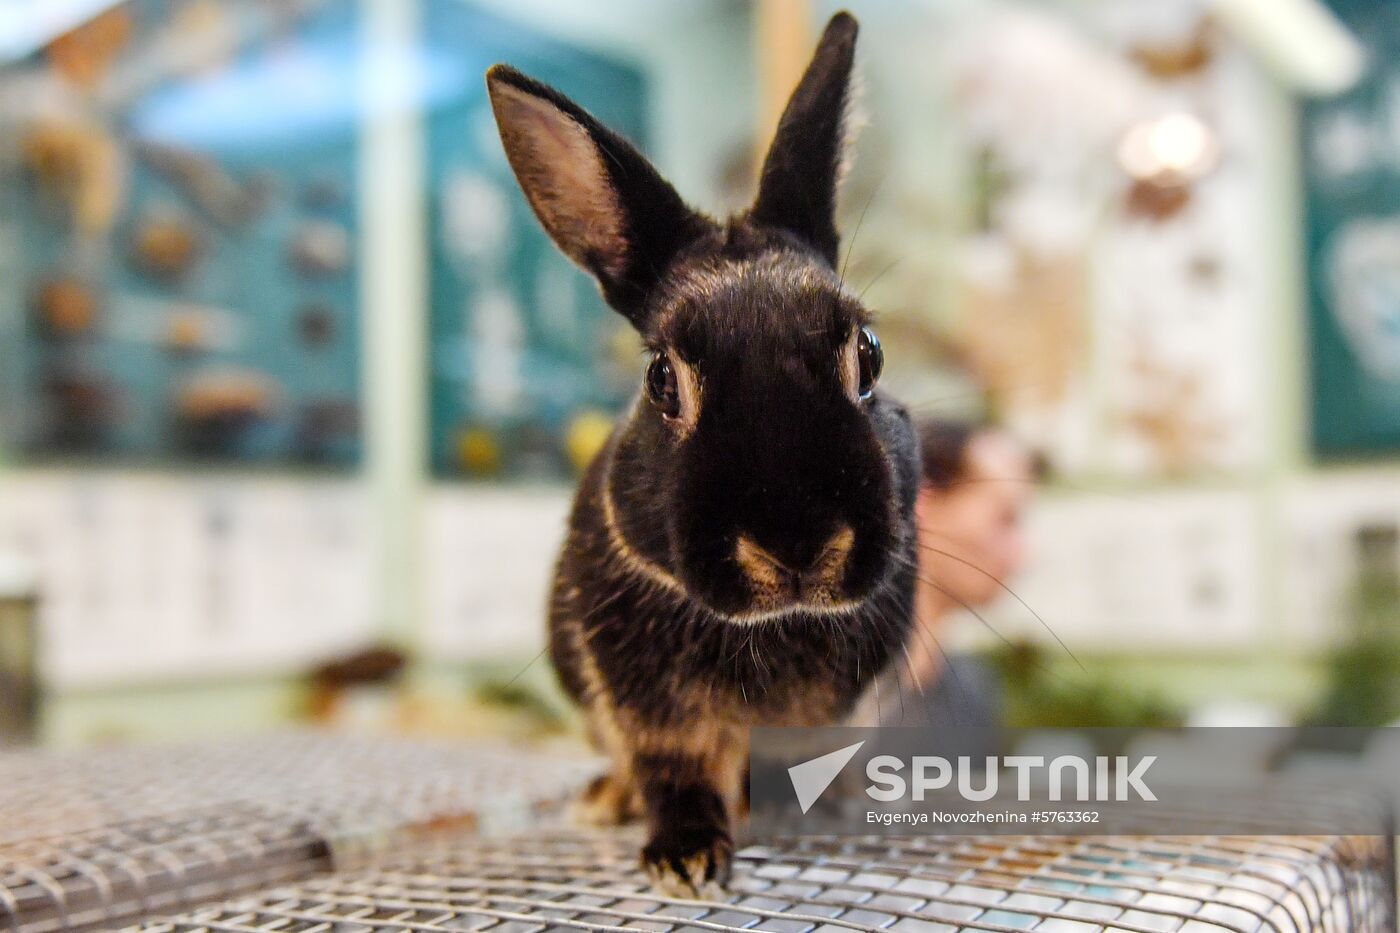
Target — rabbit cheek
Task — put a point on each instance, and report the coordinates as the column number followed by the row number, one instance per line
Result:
column 870, row 562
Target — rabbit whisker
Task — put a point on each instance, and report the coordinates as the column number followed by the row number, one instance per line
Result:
column 878, row 277
column 922, row 632
column 1014, row 595
column 541, row 653
column 851, row 243
column 919, row 575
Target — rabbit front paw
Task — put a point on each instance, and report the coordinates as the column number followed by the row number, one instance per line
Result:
column 689, row 861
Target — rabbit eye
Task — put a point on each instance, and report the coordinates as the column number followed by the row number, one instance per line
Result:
column 662, row 387
column 871, row 359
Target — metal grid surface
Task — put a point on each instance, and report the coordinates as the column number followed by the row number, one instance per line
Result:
column 98, row 839
column 569, row 881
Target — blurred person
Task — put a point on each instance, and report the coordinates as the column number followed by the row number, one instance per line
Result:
column 977, row 483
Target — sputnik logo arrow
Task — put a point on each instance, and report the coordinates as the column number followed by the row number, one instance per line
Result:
column 810, row 778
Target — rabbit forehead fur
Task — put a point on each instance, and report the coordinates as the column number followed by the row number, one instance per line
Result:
column 779, row 306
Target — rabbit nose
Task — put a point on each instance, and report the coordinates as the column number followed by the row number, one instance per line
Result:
column 773, row 580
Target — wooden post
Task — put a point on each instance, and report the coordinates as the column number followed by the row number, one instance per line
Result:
column 782, row 44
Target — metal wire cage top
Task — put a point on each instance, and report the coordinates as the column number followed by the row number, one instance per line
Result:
column 572, row 881
column 96, row 839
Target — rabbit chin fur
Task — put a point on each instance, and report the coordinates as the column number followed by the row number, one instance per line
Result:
column 750, row 558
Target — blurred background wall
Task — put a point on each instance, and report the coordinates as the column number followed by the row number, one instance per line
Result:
column 289, row 373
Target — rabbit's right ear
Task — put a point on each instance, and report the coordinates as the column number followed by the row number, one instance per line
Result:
column 803, row 168
column 598, row 198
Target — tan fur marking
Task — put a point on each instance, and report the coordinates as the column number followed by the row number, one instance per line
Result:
column 764, row 570
column 623, row 551
column 849, row 363
column 831, row 563
column 602, row 713
column 691, row 388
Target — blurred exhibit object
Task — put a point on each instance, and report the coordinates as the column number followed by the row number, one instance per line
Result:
column 1117, row 242
column 357, row 688
column 1351, row 160
column 156, row 188
column 1039, row 185
column 19, row 650
column 1056, row 211
column 150, row 577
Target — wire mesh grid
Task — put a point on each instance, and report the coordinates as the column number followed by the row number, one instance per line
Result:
column 578, row 881
column 98, row 839
column 134, row 869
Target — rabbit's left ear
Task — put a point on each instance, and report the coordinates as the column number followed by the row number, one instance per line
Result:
column 801, row 173
column 595, row 194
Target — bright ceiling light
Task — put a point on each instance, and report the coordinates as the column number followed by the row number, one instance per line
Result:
column 1176, row 146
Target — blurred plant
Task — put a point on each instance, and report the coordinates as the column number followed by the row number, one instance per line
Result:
column 1039, row 696
column 1364, row 673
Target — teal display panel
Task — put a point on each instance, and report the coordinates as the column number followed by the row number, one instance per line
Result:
column 184, row 229
column 1351, row 159
column 527, row 363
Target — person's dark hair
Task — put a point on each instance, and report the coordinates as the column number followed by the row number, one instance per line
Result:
column 943, row 445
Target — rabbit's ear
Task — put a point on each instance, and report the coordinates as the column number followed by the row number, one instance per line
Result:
column 797, row 190
column 597, row 196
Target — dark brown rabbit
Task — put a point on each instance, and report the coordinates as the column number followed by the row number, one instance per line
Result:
column 741, row 553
